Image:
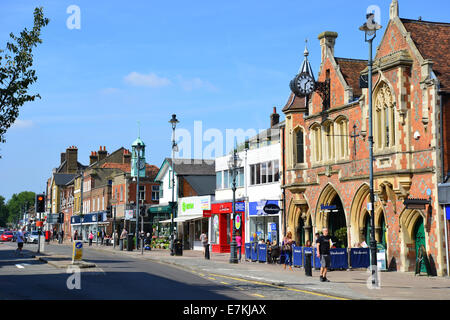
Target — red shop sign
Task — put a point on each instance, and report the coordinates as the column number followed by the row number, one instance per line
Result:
column 226, row 207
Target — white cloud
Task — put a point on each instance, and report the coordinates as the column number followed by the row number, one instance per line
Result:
column 195, row 83
column 146, row 80
column 22, row 124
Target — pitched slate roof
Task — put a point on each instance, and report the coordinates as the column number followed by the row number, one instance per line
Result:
column 62, row 179
column 193, row 166
column 432, row 39
column 350, row 69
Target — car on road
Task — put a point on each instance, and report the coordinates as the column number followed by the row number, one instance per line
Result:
column 32, row 237
column 7, row 236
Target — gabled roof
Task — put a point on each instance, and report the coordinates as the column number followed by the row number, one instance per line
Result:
column 351, row 69
column 184, row 167
column 432, row 39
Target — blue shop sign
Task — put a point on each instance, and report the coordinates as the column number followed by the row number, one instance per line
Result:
column 256, row 208
column 447, row 211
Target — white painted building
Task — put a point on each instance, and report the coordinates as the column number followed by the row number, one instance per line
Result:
column 261, row 168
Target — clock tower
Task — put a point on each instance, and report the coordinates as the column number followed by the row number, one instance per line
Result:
column 138, row 147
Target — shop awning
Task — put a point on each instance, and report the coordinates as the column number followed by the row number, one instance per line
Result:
column 159, row 209
column 183, row 218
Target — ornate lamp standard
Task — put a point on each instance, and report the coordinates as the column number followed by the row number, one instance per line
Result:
column 234, row 163
column 370, row 30
column 173, row 121
column 138, row 147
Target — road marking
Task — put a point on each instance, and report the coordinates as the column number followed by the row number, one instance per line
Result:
column 20, row 266
column 224, row 282
column 212, row 278
column 281, row 288
column 257, row 295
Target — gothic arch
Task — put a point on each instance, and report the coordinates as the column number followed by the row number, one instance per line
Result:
column 327, row 195
column 407, row 220
column 358, row 212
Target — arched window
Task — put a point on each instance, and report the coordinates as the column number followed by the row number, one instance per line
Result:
column 299, row 146
column 384, row 117
column 329, row 140
column 342, row 137
column 316, row 143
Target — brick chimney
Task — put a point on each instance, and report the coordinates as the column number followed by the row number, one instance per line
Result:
column 327, row 40
column 72, row 159
column 126, row 156
column 63, row 157
column 93, row 157
column 274, row 118
column 102, row 153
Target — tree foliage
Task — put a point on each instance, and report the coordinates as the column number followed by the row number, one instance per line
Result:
column 3, row 212
column 16, row 74
column 16, row 205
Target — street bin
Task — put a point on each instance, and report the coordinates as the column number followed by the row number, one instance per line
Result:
column 130, row 242
column 178, row 245
column 308, row 267
column 121, row 244
column 207, row 251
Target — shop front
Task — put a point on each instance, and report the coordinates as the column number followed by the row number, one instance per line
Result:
column 191, row 220
column 92, row 222
column 264, row 221
column 158, row 214
column 221, row 225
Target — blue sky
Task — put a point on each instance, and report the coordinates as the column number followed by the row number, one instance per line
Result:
column 225, row 63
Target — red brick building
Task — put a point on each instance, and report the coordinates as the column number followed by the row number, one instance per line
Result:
column 325, row 150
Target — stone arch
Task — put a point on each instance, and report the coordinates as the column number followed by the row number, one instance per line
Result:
column 358, row 212
column 407, row 220
column 298, row 211
column 327, row 196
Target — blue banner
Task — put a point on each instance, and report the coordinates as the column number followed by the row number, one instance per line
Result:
column 359, row 257
column 447, row 210
column 256, row 208
column 316, row 259
column 297, row 256
column 248, row 251
column 262, row 252
column 339, row 258
column 254, row 251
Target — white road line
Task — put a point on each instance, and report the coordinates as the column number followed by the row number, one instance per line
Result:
column 20, row 266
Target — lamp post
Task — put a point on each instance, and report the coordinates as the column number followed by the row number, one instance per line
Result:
column 370, row 28
column 138, row 151
column 81, row 205
column 173, row 121
column 234, row 162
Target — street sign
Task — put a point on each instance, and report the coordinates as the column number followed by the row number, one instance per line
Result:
column 77, row 253
column 238, row 222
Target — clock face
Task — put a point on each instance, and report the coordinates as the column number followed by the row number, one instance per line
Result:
column 304, row 83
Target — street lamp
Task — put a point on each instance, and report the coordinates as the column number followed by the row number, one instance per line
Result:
column 138, row 147
column 234, row 163
column 173, row 121
column 370, row 28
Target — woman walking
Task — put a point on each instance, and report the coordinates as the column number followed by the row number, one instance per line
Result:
column 287, row 248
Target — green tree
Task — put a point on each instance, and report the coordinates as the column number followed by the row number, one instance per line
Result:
column 16, row 74
column 16, row 204
column 3, row 212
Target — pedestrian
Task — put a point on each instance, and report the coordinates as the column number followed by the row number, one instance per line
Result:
column 287, row 248
column 75, row 235
column 102, row 232
column 308, row 244
column 204, row 240
column 91, row 237
column 239, row 244
column 323, row 252
column 20, row 239
column 124, row 234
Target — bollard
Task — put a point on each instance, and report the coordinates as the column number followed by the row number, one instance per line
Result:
column 207, row 251
column 308, row 271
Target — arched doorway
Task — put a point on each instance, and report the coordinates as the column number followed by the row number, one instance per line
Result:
column 367, row 228
column 381, row 229
column 337, row 224
column 419, row 239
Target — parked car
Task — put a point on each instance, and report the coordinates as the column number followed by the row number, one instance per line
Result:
column 7, row 236
column 32, row 237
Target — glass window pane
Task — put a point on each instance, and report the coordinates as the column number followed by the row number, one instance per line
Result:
column 276, row 169
column 225, row 179
column 252, row 174
column 270, row 171
column 258, row 173
column 219, row 180
column 300, row 146
column 241, row 177
column 264, row 172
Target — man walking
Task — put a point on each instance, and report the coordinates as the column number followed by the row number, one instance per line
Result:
column 323, row 252
column 204, row 240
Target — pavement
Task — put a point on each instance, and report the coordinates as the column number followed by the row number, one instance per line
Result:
column 349, row 284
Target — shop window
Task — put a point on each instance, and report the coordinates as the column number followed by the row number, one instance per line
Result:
column 258, row 173
column 142, row 193
column 264, row 172
column 252, row 174
column 270, row 171
column 276, row 169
